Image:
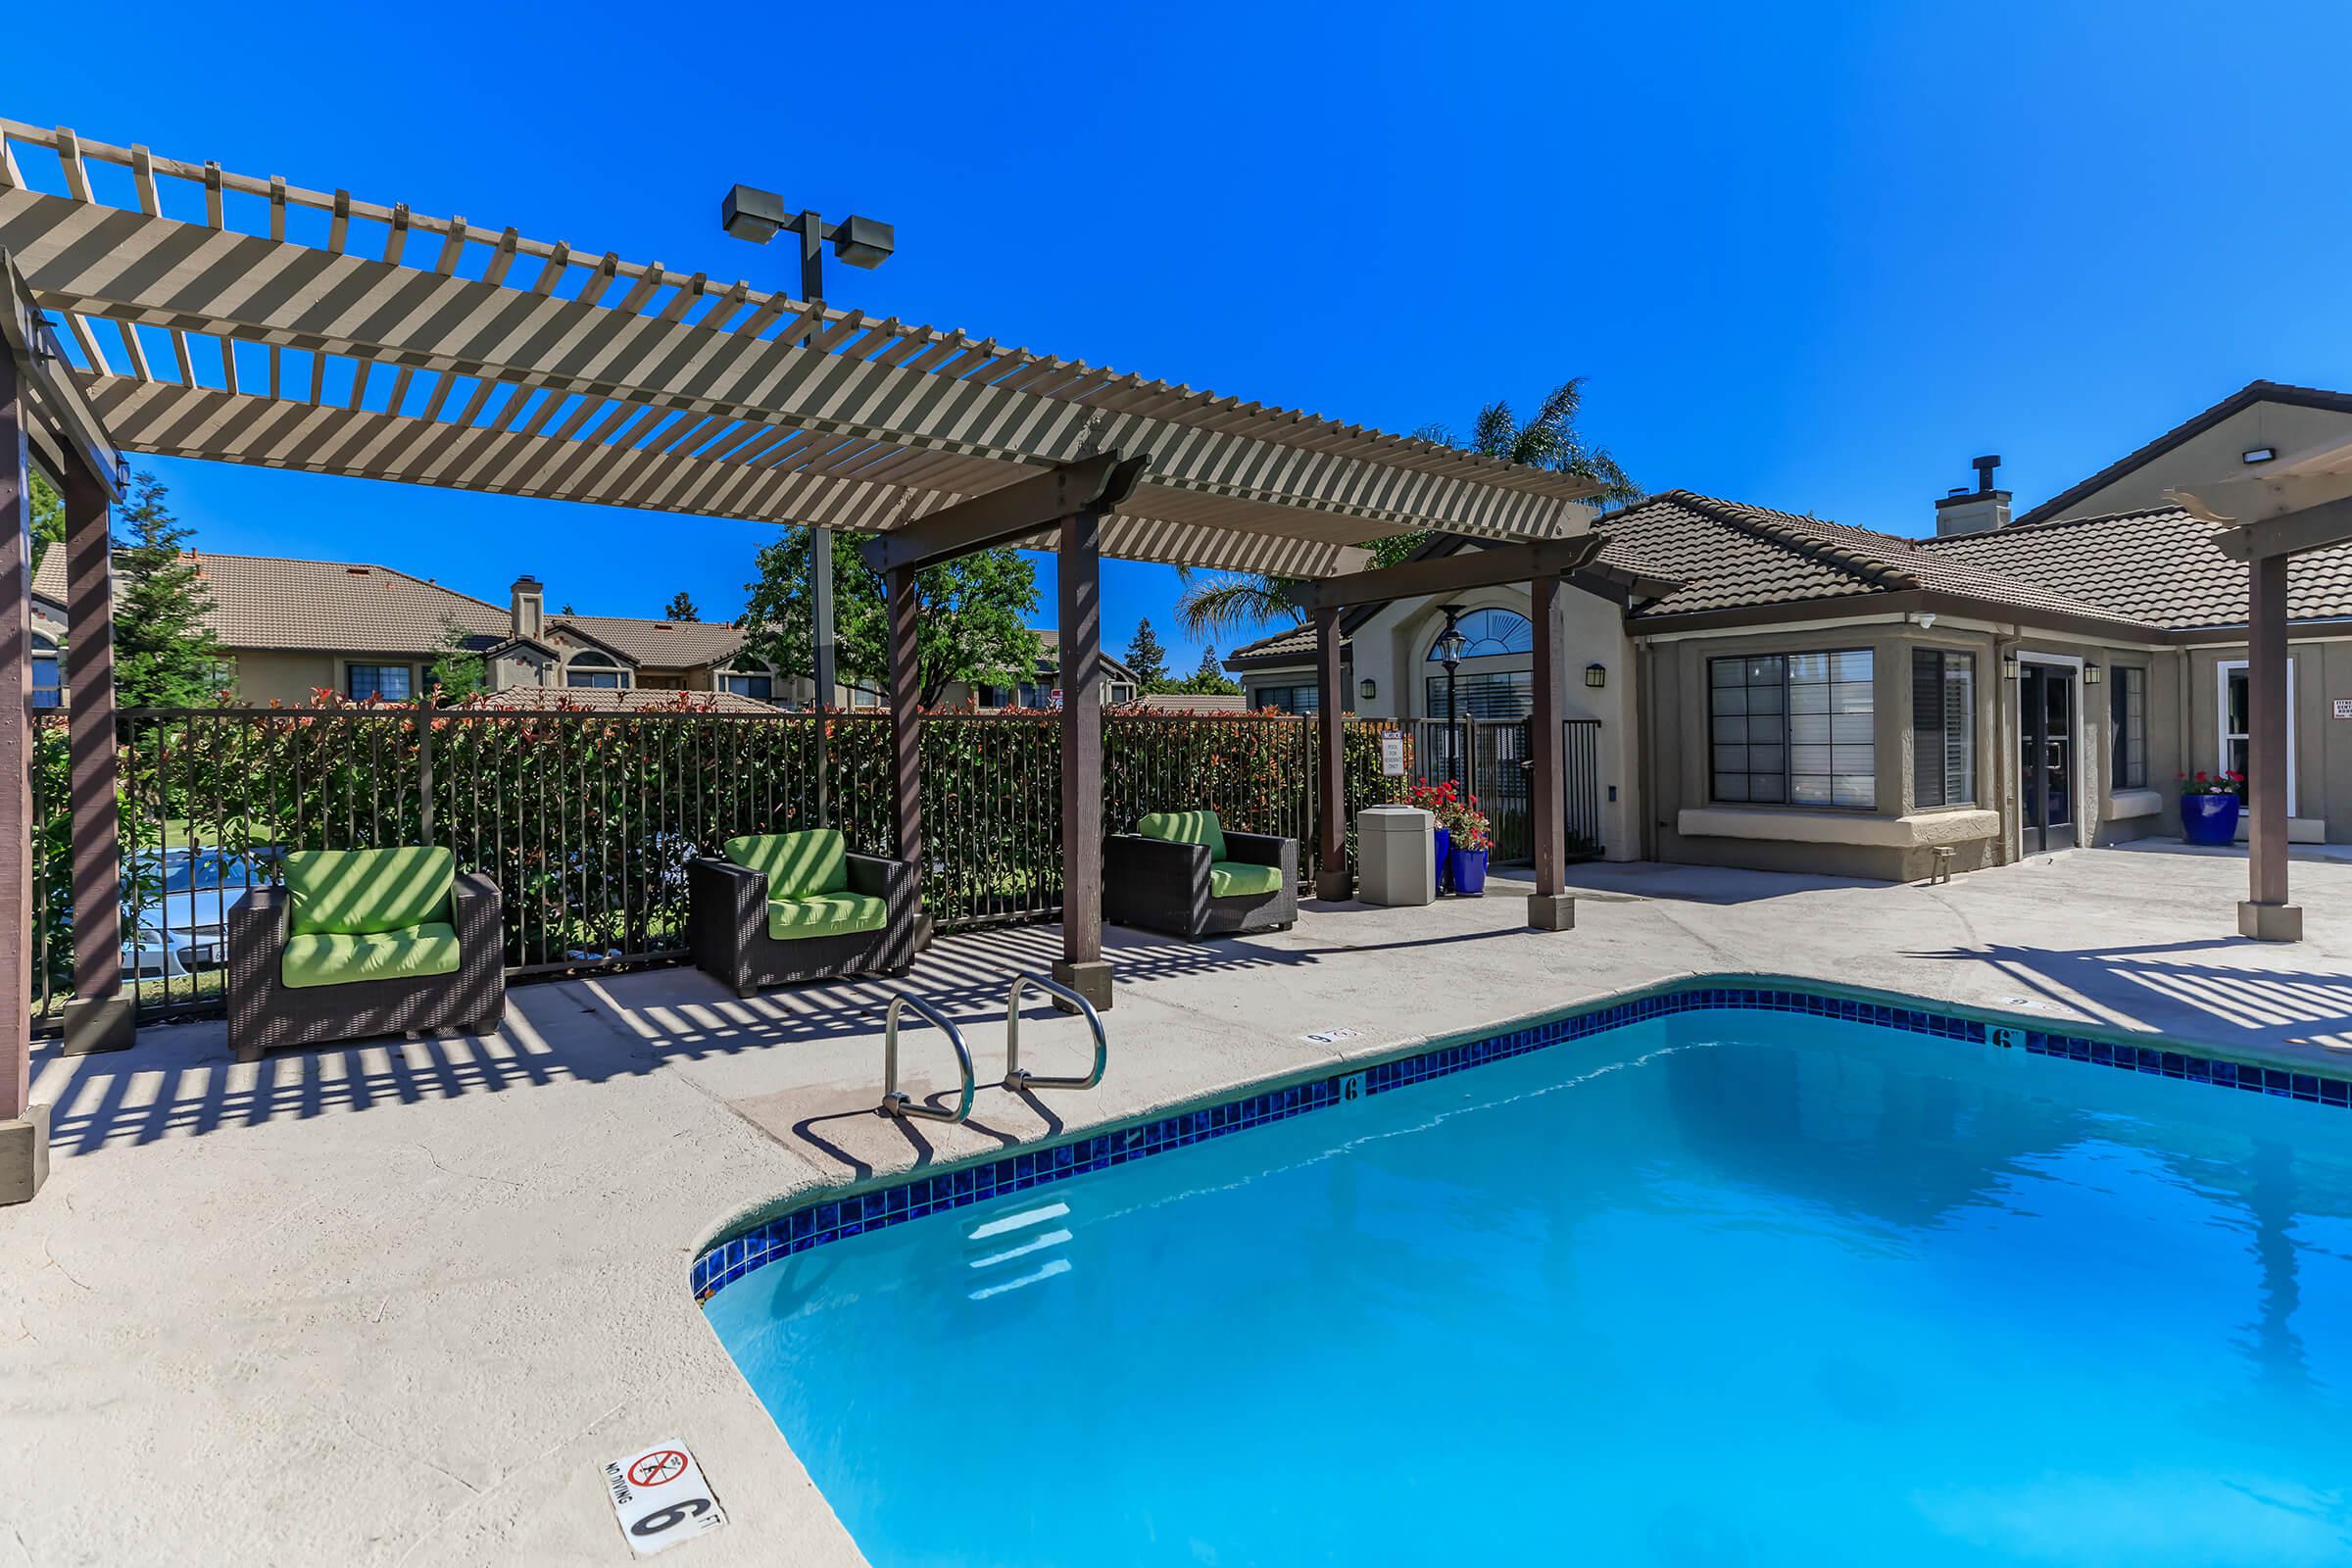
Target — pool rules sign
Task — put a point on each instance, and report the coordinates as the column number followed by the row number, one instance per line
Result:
column 660, row 1497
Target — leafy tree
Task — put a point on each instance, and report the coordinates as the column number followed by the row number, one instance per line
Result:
column 1147, row 658
column 1208, row 680
column 164, row 653
column 457, row 669
column 681, row 608
column 970, row 616
column 48, row 520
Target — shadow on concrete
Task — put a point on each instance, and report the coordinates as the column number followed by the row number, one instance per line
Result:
column 2176, row 987
column 1608, row 881
column 179, row 1081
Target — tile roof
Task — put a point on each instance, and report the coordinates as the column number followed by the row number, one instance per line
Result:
column 325, row 606
column 1728, row 555
column 281, row 602
column 662, row 644
column 2156, row 566
column 1291, row 640
column 2245, row 397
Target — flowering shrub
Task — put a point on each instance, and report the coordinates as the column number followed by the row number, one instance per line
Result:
column 1456, row 812
column 2204, row 783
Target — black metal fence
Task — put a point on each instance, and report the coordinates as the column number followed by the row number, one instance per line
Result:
column 1490, row 759
column 587, row 820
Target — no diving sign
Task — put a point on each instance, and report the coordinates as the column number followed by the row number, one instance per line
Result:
column 660, row 1497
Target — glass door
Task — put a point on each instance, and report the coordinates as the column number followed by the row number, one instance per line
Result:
column 2046, row 704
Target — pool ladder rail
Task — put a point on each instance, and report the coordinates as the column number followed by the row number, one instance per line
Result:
column 897, row 1102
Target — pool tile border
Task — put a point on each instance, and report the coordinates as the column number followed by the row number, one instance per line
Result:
column 836, row 1216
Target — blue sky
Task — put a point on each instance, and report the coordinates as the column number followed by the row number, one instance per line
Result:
column 1815, row 258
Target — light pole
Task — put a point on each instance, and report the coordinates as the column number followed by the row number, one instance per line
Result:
column 755, row 215
column 1449, row 655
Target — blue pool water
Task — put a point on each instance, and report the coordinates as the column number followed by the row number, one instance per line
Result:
column 1723, row 1286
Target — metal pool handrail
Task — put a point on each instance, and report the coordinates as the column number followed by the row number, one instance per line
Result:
column 895, row 1104
column 1014, row 1078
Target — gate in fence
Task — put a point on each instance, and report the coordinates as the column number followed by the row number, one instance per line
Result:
column 1490, row 759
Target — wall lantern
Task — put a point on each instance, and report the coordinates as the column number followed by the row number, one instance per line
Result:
column 1368, row 688
column 2091, row 674
column 2009, row 666
column 2258, row 454
column 1597, row 675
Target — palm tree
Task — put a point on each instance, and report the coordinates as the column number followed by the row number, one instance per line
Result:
column 1220, row 607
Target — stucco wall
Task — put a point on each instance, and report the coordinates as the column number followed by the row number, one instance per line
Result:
column 1897, row 835
column 2214, row 454
column 2322, row 743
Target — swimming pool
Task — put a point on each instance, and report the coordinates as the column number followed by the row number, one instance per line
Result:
column 1713, row 1285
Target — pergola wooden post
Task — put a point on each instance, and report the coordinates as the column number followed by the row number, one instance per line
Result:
column 24, row 1130
column 1331, row 763
column 1541, row 566
column 99, row 1015
column 1068, row 503
column 1548, row 907
column 44, row 413
column 2266, row 916
column 2300, row 505
column 1078, row 578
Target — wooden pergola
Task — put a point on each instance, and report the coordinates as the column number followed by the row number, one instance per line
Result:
column 2301, row 502
column 186, row 311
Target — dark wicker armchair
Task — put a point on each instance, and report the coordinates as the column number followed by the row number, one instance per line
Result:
column 1181, row 872
column 361, row 942
column 779, row 909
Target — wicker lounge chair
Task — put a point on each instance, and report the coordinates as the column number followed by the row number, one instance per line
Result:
column 779, row 908
column 1181, row 872
column 361, row 942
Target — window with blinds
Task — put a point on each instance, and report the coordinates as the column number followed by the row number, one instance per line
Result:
column 1943, row 727
column 2127, row 689
column 1793, row 729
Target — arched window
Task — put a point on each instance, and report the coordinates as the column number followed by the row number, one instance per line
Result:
column 47, row 690
column 1486, row 633
column 595, row 670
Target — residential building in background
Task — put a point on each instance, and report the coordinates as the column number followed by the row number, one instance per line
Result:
column 1785, row 693
column 289, row 629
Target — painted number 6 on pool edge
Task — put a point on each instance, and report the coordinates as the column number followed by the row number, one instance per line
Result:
column 660, row 1498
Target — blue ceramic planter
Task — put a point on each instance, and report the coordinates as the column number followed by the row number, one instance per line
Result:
column 1444, row 859
column 1469, row 872
column 2209, row 819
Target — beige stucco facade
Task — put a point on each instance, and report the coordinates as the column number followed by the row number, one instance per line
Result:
column 2216, row 451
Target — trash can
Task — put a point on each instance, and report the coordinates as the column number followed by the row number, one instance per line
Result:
column 1397, row 861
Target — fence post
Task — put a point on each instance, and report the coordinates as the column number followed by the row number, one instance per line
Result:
column 425, row 770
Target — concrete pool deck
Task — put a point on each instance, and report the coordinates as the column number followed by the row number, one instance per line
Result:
column 399, row 1303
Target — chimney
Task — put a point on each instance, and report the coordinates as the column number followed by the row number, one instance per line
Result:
column 526, row 608
column 1978, row 511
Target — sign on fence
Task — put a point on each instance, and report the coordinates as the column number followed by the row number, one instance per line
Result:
column 1391, row 755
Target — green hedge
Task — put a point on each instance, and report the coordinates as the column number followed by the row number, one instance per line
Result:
column 587, row 820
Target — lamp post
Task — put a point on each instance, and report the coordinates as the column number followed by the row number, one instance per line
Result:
column 751, row 214
column 1449, row 655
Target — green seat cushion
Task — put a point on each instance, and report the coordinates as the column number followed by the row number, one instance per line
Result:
column 1185, row 827
column 796, row 865
column 366, row 892
column 825, row 915
column 339, row 958
column 1235, row 879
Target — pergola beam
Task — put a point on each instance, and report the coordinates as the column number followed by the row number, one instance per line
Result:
column 1539, row 563
column 2292, row 534
column 1451, row 574
column 1093, row 484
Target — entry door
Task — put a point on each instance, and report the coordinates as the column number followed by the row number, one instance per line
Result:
column 2045, row 702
